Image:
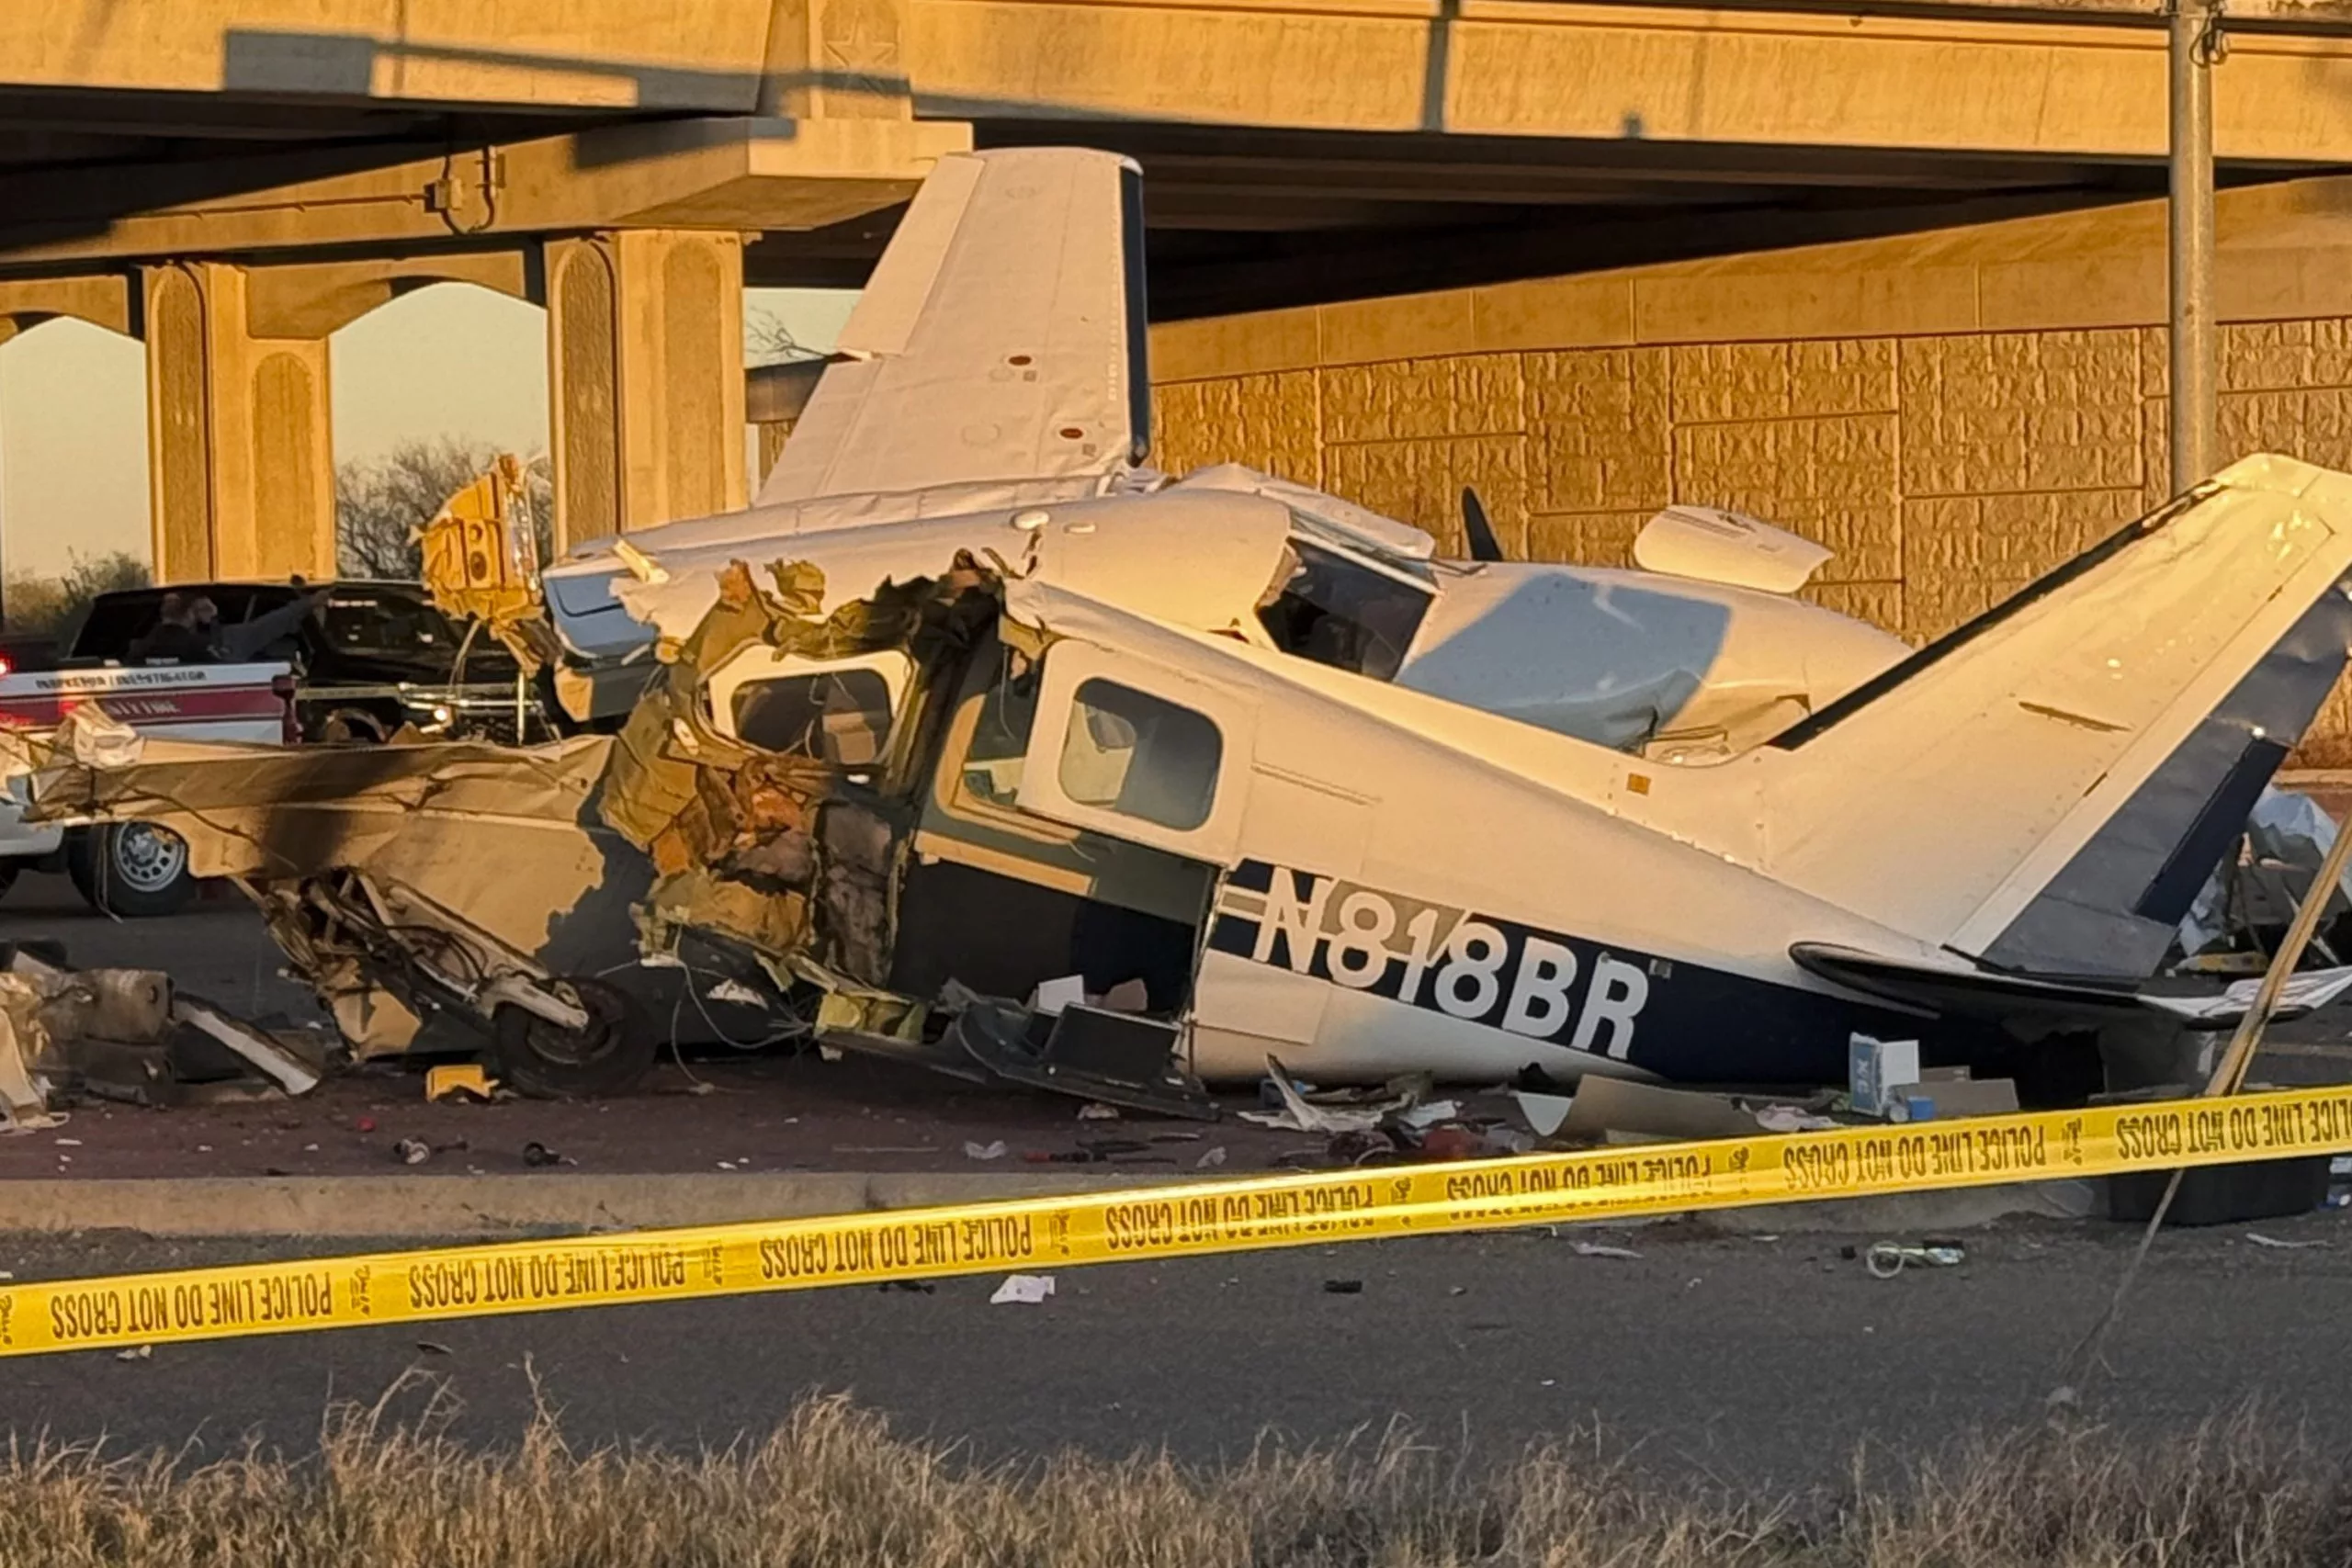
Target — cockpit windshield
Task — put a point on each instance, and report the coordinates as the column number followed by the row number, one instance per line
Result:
column 1326, row 606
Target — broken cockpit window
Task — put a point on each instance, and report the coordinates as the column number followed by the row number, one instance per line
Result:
column 839, row 715
column 1330, row 608
column 1000, row 734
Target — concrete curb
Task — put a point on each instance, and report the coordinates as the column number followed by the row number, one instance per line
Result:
column 485, row 1208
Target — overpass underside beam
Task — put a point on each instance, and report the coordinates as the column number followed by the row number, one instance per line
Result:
column 645, row 378
column 240, row 461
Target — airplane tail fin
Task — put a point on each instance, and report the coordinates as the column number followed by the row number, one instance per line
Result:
column 1000, row 339
column 2047, row 788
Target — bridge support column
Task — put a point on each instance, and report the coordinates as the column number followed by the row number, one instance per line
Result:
column 645, row 377
column 241, row 463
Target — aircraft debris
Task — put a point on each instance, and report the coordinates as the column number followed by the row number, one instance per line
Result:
column 454, row 1080
column 993, row 1149
column 1885, row 1260
column 68, row 1036
column 1602, row 1249
column 2271, row 1241
column 413, row 1151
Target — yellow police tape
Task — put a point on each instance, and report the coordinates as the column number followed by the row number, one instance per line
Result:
column 1155, row 1222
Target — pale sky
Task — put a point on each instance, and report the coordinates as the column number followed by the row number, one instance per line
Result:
column 449, row 360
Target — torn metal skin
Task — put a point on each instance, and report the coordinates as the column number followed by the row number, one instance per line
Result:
column 481, row 564
column 535, row 904
column 796, row 856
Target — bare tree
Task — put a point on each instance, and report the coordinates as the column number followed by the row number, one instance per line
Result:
column 767, row 341
column 42, row 606
column 380, row 505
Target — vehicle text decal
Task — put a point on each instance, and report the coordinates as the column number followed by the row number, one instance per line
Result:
column 1539, row 984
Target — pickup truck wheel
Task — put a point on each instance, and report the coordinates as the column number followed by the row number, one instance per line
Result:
column 131, row 869
column 548, row 1061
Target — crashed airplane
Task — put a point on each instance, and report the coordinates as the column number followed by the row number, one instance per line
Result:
column 977, row 745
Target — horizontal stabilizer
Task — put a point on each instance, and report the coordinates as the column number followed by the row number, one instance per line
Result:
column 1956, row 990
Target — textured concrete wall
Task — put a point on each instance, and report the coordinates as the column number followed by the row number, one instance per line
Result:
column 1945, row 468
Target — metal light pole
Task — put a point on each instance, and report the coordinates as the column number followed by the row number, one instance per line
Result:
column 2195, row 45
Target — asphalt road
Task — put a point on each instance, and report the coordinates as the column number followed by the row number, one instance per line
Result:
column 1751, row 1359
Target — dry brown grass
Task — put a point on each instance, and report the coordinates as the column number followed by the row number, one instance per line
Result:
column 832, row 1488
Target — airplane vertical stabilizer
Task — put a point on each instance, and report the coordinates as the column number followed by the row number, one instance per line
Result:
column 999, row 339
column 2047, row 787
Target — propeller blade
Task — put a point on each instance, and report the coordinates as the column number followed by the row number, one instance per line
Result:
column 1483, row 545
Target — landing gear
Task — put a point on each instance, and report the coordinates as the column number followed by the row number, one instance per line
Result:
column 551, row 1061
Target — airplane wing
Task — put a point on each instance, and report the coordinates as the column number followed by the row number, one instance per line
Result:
column 1001, row 338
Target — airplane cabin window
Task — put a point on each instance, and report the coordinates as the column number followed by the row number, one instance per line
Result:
column 1326, row 608
column 840, row 716
column 1141, row 755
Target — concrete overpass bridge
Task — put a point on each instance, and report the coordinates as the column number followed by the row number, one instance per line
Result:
column 232, row 180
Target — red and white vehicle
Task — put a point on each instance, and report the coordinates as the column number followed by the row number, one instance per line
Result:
column 133, row 868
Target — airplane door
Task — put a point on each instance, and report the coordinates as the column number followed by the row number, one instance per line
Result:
column 1139, row 752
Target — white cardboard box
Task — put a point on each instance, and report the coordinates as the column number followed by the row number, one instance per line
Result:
column 1878, row 1071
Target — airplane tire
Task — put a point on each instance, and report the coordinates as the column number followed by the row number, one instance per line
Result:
column 133, row 870
column 547, row 1061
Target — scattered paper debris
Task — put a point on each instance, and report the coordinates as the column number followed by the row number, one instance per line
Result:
column 2261, row 1240
column 1127, row 995
column 1052, row 996
column 413, row 1151
column 1544, row 1112
column 1297, row 1116
column 1789, row 1119
column 1094, row 1110
column 1601, row 1249
column 1430, row 1114
column 1210, row 1157
column 68, row 1143
column 994, row 1150
column 1022, row 1290
column 138, row 1353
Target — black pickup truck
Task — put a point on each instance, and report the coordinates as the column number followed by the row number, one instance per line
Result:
column 368, row 657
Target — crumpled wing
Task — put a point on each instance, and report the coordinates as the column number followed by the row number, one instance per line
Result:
column 1001, row 338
